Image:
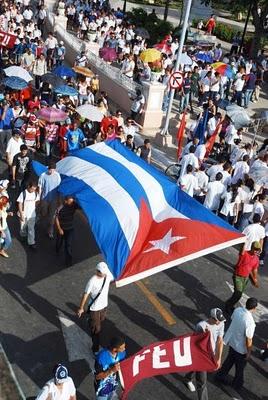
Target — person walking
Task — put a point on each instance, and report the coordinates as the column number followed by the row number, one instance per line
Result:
column 145, row 151
column 27, row 202
column 214, row 325
column 48, row 183
column 246, row 269
column 5, row 236
column 64, row 221
column 60, row 387
column 107, row 366
column 96, row 291
column 21, row 168
column 239, row 338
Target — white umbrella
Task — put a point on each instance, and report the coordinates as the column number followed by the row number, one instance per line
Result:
column 90, row 112
column 185, row 59
column 19, row 72
column 238, row 115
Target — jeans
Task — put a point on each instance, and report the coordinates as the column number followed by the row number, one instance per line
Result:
column 49, row 147
column 7, row 239
column 201, row 383
column 5, row 135
column 67, row 239
column 27, row 229
column 243, row 222
column 165, row 102
column 237, row 359
column 82, row 98
column 184, row 101
column 237, row 98
column 248, row 94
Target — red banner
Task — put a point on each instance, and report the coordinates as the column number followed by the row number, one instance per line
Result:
column 7, row 40
column 190, row 352
column 210, row 142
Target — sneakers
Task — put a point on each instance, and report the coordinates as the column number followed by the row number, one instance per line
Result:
column 190, row 386
column 4, row 254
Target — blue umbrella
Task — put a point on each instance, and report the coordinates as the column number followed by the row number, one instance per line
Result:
column 61, row 70
column 66, row 90
column 15, row 83
column 204, row 57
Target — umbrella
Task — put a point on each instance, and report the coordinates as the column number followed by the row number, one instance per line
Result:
column 52, row 79
column 90, row 112
column 83, row 71
column 238, row 115
column 223, row 69
column 61, row 70
column 185, row 59
column 15, row 83
column 142, row 32
column 150, row 55
column 163, row 47
column 51, row 114
column 204, row 57
column 18, row 72
column 108, row 54
column 66, row 90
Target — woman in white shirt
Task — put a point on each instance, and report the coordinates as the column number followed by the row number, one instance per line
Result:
column 82, row 90
column 246, row 194
column 5, row 237
column 60, row 387
column 230, row 207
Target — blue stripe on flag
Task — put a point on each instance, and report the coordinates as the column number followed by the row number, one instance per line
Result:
column 103, row 222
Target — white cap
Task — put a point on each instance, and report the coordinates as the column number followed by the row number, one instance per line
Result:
column 102, row 267
column 4, row 183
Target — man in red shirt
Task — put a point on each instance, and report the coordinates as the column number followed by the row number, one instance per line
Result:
column 245, row 269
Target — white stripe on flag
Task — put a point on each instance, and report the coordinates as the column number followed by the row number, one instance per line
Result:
column 159, row 206
column 108, row 188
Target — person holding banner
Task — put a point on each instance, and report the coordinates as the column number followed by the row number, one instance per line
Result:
column 107, row 366
column 214, row 325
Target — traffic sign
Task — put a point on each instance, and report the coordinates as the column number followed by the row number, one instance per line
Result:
column 176, row 80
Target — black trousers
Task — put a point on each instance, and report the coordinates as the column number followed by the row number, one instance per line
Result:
column 239, row 361
column 201, row 383
column 67, row 240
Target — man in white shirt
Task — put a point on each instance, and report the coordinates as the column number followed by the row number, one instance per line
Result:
column 240, row 169
column 189, row 159
column 239, row 338
column 238, row 88
column 128, row 66
column 214, row 325
column 254, row 232
column 214, row 192
column 13, row 146
column 202, row 183
column 200, row 152
column 188, row 182
column 27, row 14
column 60, row 387
column 97, row 289
column 27, row 202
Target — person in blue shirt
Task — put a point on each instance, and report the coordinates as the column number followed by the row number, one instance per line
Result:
column 107, row 365
column 75, row 138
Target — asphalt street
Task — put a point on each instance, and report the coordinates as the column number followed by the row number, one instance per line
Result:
column 39, row 296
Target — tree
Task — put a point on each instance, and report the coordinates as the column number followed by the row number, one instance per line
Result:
column 259, row 13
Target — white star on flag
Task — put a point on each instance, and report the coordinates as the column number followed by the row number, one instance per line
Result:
column 164, row 243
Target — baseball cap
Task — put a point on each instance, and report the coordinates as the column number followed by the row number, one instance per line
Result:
column 61, row 374
column 217, row 314
column 4, row 183
column 102, row 267
column 16, row 131
column 43, row 103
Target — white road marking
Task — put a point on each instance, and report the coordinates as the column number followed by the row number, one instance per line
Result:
column 78, row 342
column 261, row 313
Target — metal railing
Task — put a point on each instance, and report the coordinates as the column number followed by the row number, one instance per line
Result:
column 107, row 69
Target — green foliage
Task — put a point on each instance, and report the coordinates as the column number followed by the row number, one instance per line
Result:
column 156, row 27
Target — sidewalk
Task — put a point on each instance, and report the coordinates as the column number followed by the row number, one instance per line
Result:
column 198, row 11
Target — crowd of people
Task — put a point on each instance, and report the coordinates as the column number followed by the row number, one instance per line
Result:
column 235, row 187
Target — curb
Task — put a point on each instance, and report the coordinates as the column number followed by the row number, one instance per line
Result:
column 9, row 369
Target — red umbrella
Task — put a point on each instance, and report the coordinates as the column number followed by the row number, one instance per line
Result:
column 51, row 114
column 108, row 54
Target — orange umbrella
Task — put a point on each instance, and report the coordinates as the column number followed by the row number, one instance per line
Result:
column 83, row 71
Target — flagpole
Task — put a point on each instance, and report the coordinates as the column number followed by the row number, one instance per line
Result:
column 177, row 63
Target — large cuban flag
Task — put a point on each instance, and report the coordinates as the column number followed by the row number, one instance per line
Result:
column 142, row 222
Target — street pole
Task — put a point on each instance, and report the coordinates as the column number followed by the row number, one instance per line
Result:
column 177, row 63
column 125, row 6
column 245, row 27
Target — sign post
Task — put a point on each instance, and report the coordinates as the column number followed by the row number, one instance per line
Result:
column 172, row 91
column 176, row 80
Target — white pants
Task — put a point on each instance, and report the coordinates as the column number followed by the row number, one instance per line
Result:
column 27, row 229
